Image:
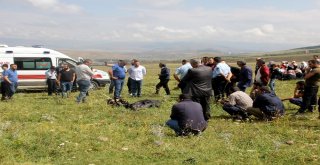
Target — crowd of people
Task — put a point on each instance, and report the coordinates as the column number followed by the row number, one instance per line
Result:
column 63, row 77
column 199, row 81
column 228, row 84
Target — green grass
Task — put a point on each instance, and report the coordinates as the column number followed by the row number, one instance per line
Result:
column 38, row 129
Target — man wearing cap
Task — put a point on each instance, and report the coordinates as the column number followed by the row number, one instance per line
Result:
column 267, row 105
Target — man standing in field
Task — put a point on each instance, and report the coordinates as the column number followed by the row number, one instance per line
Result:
column 10, row 77
column 136, row 73
column 66, row 78
column 263, row 73
column 312, row 78
column 51, row 76
column 84, row 74
column 198, row 85
column 182, row 71
column 4, row 88
column 118, row 74
column 164, row 77
column 221, row 75
column 245, row 76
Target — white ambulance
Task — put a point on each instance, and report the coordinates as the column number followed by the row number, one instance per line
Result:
column 33, row 62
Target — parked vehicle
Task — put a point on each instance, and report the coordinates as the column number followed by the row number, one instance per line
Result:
column 32, row 63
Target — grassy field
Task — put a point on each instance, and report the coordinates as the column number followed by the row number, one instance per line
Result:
column 38, row 129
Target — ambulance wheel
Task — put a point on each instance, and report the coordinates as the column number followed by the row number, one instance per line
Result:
column 94, row 85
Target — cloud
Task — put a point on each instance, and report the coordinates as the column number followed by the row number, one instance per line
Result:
column 55, row 6
column 255, row 31
column 209, row 29
column 267, row 28
column 156, row 21
column 170, row 30
column 160, row 3
column 139, row 26
column 261, row 31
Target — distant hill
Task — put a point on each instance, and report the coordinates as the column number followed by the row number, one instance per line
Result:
column 178, row 52
column 307, row 48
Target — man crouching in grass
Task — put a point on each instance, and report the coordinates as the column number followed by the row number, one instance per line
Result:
column 266, row 106
column 187, row 117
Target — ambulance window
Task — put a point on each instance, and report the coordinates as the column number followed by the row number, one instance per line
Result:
column 31, row 63
column 71, row 63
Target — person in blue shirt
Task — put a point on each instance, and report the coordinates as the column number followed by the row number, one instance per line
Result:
column 11, row 79
column 118, row 74
column 4, row 89
column 182, row 71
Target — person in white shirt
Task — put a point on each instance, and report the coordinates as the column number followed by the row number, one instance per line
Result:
column 221, row 76
column 51, row 75
column 136, row 73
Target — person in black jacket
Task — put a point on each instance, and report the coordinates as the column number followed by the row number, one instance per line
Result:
column 164, row 77
column 187, row 117
column 245, row 76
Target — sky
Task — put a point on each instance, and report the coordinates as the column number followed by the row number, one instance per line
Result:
column 124, row 24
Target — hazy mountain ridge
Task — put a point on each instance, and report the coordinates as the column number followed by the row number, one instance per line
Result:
column 161, row 53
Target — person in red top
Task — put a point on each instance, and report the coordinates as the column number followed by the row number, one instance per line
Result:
column 263, row 73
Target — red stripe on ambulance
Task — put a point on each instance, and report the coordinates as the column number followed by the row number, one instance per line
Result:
column 21, row 77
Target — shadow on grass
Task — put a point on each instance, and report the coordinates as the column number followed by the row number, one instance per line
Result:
column 221, row 117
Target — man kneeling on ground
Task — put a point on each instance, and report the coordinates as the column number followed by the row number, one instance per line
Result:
column 237, row 103
column 187, row 117
column 267, row 105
